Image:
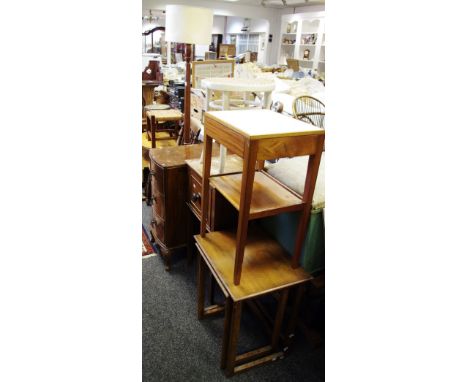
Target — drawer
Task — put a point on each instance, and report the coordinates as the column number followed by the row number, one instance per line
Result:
column 157, row 178
column 157, row 224
column 158, row 205
column 195, row 191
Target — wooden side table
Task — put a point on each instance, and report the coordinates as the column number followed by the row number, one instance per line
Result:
column 155, row 117
column 266, row 271
column 260, row 135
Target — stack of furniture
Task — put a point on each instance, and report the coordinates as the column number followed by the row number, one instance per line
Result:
column 247, row 263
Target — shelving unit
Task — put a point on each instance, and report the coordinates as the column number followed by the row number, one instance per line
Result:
column 309, row 35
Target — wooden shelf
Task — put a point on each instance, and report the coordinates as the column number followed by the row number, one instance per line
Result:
column 268, row 197
column 266, row 264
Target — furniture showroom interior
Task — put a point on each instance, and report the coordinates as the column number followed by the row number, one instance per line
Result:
column 233, row 195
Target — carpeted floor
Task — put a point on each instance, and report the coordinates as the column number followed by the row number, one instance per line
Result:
column 179, row 347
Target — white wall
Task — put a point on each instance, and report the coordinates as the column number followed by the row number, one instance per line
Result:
column 219, row 23
column 273, row 16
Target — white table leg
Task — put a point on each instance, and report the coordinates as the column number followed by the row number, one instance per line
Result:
column 266, row 100
column 222, row 149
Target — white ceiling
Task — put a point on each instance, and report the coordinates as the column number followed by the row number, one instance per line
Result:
column 276, row 3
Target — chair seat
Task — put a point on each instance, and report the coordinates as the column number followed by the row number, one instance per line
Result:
column 146, row 145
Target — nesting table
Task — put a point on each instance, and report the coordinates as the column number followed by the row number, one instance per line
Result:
column 265, row 267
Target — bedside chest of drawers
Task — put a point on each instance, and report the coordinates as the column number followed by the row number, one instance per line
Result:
column 168, row 193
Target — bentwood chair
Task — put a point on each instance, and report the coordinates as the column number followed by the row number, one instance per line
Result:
column 309, row 109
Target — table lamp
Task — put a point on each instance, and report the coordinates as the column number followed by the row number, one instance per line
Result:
column 188, row 25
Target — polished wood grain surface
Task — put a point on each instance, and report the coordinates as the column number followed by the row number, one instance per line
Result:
column 266, row 265
column 268, row 197
column 261, row 123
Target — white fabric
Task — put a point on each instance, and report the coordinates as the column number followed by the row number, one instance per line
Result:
column 189, row 25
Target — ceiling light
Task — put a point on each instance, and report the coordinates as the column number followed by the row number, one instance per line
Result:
column 284, row 2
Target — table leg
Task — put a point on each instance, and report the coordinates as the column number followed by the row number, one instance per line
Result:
column 233, row 337
column 227, row 328
column 153, row 133
column 200, row 287
column 294, row 314
column 267, row 100
column 207, row 151
column 248, row 175
column 279, row 318
column 222, row 149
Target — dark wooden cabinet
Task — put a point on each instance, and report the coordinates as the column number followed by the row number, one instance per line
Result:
column 168, row 191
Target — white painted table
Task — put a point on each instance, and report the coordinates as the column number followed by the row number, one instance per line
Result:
column 236, row 85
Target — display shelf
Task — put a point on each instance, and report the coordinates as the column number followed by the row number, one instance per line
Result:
column 266, row 265
column 268, row 197
column 310, row 33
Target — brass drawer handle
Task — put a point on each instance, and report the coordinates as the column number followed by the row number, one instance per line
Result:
column 195, row 197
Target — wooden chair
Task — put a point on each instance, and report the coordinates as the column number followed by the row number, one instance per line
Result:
column 309, row 109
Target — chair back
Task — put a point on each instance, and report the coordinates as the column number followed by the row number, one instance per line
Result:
column 309, row 109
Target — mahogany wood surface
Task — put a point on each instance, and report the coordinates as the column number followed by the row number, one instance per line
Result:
column 268, row 197
column 266, row 264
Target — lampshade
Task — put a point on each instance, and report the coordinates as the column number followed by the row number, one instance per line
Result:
column 189, row 25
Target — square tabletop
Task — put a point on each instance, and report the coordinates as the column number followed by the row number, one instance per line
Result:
column 261, row 123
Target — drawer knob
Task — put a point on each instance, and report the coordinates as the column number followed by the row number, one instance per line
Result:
column 195, row 197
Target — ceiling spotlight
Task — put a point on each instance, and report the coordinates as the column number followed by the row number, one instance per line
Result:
column 263, row 3
column 284, row 2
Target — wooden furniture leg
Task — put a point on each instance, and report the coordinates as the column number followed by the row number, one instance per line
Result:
column 200, row 287
column 211, row 291
column 226, row 335
column 311, row 177
column 153, row 133
column 233, row 337
column 299, row 292
column 244, row 205
column 279, row 318
column 207, row 151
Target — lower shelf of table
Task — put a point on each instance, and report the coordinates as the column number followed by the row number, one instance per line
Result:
column 269, row 197
column 266, row 266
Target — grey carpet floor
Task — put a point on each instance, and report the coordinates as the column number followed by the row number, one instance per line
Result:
column 179, row 347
